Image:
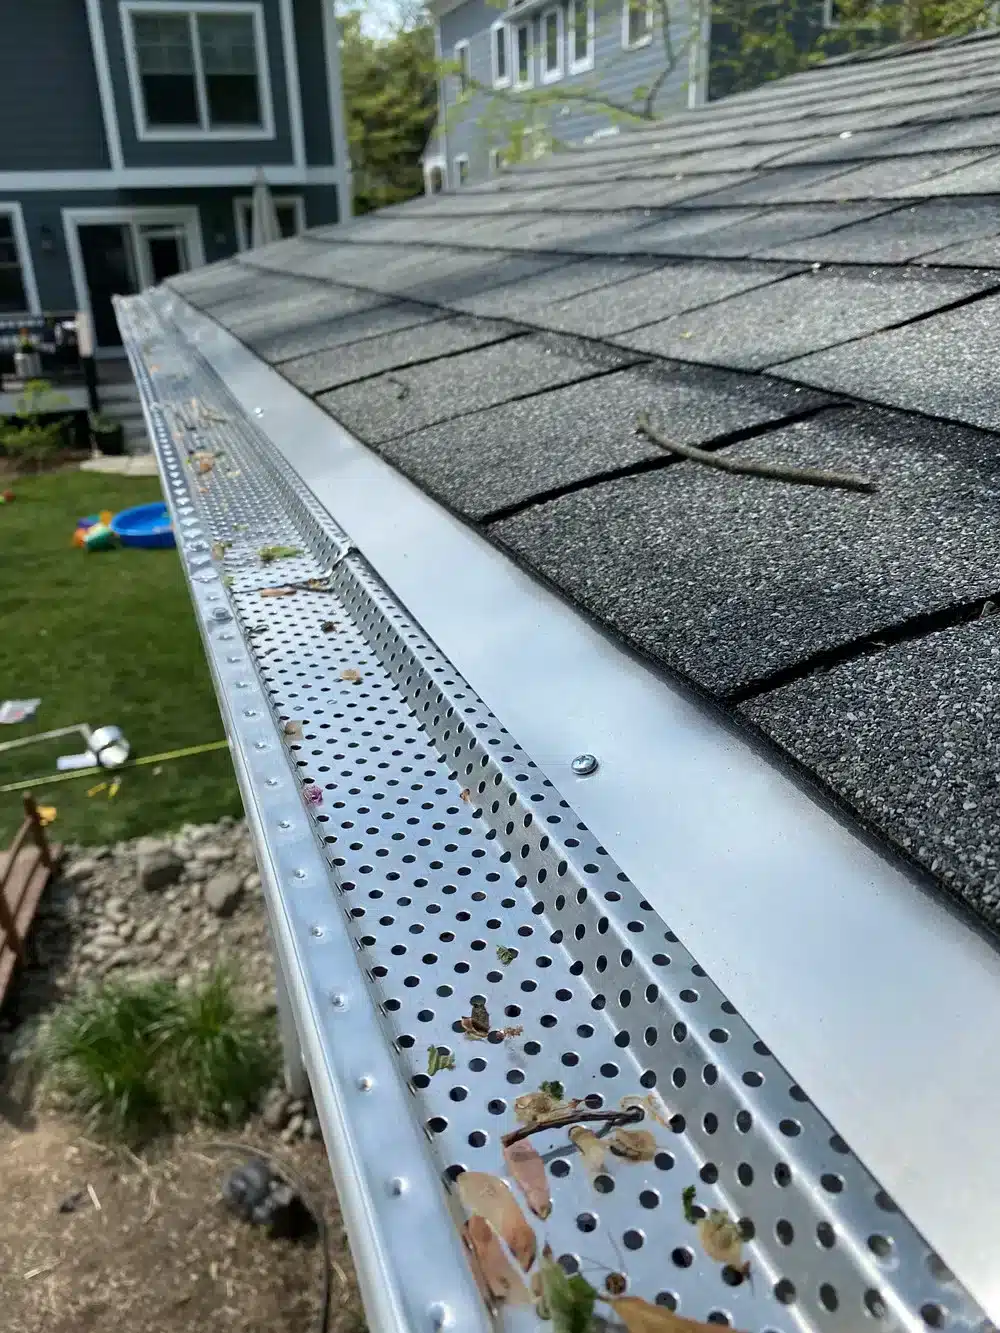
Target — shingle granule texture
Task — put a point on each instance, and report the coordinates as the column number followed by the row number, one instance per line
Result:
column 729, row 579
column 803, row 314
column 945, row 365
column 894, row 238
column 324, row 333
column 341, row 365
column 507, row 455
column 407, row 399
column 908, row 737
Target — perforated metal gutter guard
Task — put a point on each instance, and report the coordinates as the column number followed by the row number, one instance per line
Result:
column 448, row 831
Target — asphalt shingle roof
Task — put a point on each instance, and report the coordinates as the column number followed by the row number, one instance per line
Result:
column 807, row 273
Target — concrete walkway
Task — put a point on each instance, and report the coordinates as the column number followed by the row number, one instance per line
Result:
column 125, row 465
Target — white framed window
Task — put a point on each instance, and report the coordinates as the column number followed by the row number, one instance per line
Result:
column 500, row 54
column 552, row 45
column 523, row 73
column 580, row 39
column 463, row 69
column 197, row 70
column 291, row 210
column 637, row 23
column 461, row 162
column 498, row 160
column 18, row 292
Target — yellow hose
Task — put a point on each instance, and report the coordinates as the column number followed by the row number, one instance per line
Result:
column 49, row 778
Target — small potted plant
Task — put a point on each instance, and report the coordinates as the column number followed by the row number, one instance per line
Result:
column 107, row 436
column 27, row 358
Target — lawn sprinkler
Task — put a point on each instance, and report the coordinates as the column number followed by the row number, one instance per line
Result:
column 106, row 746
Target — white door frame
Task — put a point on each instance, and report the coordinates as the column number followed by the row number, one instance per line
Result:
column 187, row 217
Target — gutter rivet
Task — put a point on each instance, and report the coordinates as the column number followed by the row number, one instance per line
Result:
column 584, row 764
column 258, row 411
column 396, row 1186
column 338, row 1001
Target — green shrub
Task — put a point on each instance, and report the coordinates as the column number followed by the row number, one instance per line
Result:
column 140, row 1058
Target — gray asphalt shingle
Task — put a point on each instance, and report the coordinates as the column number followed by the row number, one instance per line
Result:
column 894, row 238
column 407, row 399
column 525, row 448
column 341, row 365
column 728, row 579
column 945, row 365
column 802, row 314
column 908, row 738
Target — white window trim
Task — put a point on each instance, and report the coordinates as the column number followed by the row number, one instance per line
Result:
column 457, row 160
column 498, row 81
column 146, row 134
column 431, row 164
column 829, row 18
column 243, row 215
column 647, row 36
column 587, row 63
column 552, row 75
column 74, row 218
column 496, row 161
column 15, row 212
column 461, row 93
column 529, row 82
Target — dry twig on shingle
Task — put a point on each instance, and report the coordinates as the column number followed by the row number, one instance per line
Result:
column 802, row 476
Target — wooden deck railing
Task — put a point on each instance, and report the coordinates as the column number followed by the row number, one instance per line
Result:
column 22, row 880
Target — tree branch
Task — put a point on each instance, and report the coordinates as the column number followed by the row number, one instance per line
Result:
column 573, row 1118
column 803, row 476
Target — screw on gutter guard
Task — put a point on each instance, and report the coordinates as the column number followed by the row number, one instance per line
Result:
column 338, row 1001
column 220, row 615
column 584, row 764
column 396, row 1186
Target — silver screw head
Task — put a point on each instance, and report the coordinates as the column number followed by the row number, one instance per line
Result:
column 584, row 764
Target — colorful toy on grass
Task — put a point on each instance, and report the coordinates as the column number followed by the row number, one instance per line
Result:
column 7, row 498
column 94, row 533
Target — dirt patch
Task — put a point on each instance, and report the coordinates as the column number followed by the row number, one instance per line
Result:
column 146, row 1243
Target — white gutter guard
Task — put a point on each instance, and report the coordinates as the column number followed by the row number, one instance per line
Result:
column 409, row 846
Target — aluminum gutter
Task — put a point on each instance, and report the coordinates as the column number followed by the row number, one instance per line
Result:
column 873, row 994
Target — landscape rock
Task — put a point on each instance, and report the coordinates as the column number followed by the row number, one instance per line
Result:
column 222, row 893
column 160, row 868
column 276, row 1109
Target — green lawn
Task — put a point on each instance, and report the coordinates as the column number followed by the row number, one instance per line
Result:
column 103, row 638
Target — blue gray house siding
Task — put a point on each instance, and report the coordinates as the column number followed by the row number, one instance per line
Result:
column 481, row 121
column 50, row 111
column 317, row 114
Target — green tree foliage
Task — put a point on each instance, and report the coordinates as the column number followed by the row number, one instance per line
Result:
column 390, row 95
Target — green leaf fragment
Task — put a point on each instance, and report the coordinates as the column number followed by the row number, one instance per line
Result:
column 438, row 1058
column 269, row 553
column 568, row 1300
column 687, row 1198
column 506, row 955
column 554, row 1089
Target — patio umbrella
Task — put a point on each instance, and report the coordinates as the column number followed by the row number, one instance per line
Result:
column 264, row 226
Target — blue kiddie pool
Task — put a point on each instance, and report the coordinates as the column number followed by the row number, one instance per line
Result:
column 145, row 525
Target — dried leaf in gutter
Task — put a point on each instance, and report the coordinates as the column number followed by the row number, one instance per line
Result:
column 490, row 1197
column 292, row 728
column 328, row 626
column 351, row 675
column 465, row 794
column 721, row 1238
column 569, row 1301
column 639, row 1316
column 278, row 592
column 615, row 1284
column 313, row 794
column 537, row 1108
column 501, row 1280
column 219, row 549
column 438, row 1058
column 528, row 1170
column 478, row 1024
column 506, row 955
column 591, row 1148
column 269, row 553
column 509, row 1032
column 652, row 1104
column 635, row 1145
column 204, row 462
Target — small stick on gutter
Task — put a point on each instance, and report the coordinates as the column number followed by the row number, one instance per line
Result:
column 611, row 1118
column 803, row 476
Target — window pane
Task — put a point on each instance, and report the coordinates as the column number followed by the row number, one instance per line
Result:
column 551, row 42
column 523, row 66
column 227, row 43
column 229, row 59
column 13, row 298
column 170, row 100
column 163, row 43
column 288, row 219
column 638, row 21
column 463, row 171
column 580, row 43
column 500, row 38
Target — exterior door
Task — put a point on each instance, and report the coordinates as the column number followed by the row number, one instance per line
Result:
column 111, row 269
